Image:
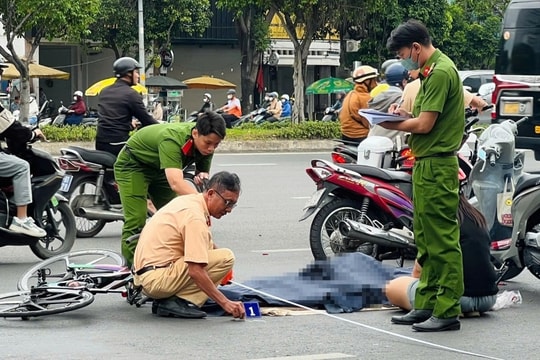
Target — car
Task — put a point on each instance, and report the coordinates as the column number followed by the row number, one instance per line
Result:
column 478, row 82
column 473, row 79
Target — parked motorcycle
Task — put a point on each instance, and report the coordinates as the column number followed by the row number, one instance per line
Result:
column 371, row 195
column 92, row 191
column 497, row 161
column 49, row 209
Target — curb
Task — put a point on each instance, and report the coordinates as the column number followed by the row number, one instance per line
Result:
column 225, row 147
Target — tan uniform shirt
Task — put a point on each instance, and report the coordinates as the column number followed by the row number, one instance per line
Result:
column 179, row 229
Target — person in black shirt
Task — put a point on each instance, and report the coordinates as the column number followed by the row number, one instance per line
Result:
column 478, row 271
column 118, row 105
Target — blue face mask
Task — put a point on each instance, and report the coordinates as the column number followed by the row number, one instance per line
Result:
column 409, row 64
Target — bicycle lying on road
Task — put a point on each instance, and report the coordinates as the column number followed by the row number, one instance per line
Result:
column 69, row 282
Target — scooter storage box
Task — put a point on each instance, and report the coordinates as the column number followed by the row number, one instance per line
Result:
column 375, row 151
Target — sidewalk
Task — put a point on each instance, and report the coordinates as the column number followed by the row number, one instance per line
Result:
column 224, row 147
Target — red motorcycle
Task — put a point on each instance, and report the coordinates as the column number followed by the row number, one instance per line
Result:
column 365, row 194
column 378, row 200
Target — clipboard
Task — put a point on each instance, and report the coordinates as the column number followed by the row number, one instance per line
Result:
column 375, row 117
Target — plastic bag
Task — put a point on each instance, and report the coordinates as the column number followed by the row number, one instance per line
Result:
column 507, row 299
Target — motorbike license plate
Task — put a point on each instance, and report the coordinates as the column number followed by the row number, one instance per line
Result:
column 66, row 183
column 314, row 200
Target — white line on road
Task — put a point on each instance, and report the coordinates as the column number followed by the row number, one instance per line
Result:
column 280, row 250
column 259, row 164
column 301, row 197
column 311, row 357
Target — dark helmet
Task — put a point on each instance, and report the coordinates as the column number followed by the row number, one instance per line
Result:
column 124, row 65
column 395, row 74
column 231, row 92
column 385, row 65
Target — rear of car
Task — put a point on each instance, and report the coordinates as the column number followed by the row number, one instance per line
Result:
column 517, row 72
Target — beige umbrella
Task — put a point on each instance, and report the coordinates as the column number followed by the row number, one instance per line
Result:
column 35, row 71
column 208, row 82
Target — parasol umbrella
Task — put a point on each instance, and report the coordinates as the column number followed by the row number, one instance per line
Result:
column 328, row 86
column 165, row 82
column 208, row 82
column 96, row 88
column 35, row 71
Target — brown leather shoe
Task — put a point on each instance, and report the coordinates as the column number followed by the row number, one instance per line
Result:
column 434, row 324
column 412, row 317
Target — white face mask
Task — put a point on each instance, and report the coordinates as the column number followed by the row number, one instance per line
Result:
column 205, row 100
column 229, row 97
column 75, row 98
column 267, row 99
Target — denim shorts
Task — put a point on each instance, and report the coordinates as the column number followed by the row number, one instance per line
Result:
column 468, row 304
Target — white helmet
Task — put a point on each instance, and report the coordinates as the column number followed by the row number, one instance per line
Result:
column 285, row 96
column 78, row 93
column 208, row 95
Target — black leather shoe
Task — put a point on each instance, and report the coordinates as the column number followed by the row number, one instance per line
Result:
column 412, row 317
column 435, row 324
column 177, row 307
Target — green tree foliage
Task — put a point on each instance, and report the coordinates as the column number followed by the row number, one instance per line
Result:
column 35, row 20
column 117, row 27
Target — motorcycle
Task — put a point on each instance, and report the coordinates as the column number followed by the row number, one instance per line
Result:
column 330, row 114
column 49, row 209
column 509, row 255
column 374, row 198
column 92, row 191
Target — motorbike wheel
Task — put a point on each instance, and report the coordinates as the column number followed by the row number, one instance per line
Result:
column 325, row 238
column 56, row 242
column 86, row 187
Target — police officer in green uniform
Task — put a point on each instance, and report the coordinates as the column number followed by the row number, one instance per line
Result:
column 151, row 163
column 437, row 125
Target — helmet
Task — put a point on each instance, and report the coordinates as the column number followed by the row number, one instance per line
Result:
column 78, row 93
column 231, row 92
column 209, row 96
column 124, row 65
column 285, row 96
column 386, row 65
column 363, row 73
column 395, row 74
column 273, row 95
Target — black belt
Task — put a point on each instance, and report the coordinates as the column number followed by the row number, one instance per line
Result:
column 149, row 268
column 440, row 154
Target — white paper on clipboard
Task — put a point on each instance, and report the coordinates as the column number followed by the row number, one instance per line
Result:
column 376, row 117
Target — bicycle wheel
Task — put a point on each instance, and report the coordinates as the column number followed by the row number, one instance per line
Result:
column 43, row 301
column 56, row 269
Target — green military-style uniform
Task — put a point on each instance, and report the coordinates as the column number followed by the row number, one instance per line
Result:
column 436, row 188
column 140, row 172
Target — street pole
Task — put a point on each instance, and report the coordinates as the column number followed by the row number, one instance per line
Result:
column 141, row 42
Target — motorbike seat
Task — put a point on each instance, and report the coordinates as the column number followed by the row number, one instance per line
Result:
column 96, row 156
column 384, row 174
column 526, row 181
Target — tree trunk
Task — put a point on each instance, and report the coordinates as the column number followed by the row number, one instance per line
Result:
column 251, row 58
column 301, row 53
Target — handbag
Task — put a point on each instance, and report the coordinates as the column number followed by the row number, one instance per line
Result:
column 504, row 203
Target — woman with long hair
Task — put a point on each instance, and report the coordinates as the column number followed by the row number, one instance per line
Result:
column 478, row 271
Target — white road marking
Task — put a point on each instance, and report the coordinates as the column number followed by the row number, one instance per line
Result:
column 301, row 197
column 311, row 357
column 246, row 164
column 281, row 250
column 273, row 153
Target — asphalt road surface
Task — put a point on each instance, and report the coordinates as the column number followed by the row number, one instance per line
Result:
column 267, row 239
